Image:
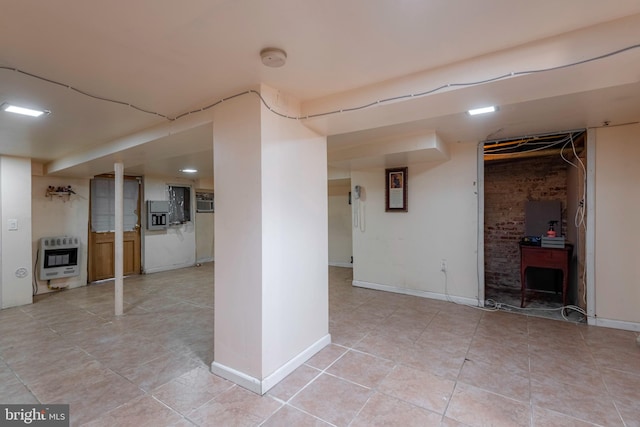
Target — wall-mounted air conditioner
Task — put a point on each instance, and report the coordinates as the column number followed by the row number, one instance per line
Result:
column 204, row 202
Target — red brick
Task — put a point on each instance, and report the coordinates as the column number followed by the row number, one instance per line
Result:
column 508, row 185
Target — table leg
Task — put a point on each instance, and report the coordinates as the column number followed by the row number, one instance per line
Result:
column 565, row 281
column 523, row 285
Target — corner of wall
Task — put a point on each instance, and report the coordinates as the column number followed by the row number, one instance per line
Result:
column 15, row 241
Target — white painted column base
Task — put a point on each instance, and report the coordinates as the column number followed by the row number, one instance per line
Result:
column 262, row 386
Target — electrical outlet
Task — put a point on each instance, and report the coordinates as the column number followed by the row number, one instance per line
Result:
column 443, row 265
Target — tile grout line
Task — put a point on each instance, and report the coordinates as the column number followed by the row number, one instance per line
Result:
column 324, row 371
column 600, row 374
column 455, row 383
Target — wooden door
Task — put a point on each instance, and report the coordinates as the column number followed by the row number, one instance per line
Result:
column 101, row 249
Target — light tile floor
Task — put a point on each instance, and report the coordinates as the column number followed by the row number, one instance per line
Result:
column 395, row 360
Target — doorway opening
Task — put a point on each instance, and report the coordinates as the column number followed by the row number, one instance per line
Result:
column 101, row 248
column 532, row 185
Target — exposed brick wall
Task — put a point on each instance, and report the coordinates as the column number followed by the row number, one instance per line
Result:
column 508, row 185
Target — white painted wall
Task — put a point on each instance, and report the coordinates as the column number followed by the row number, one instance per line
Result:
column 617, row 234
column 205, row 223
column 340, row 224
column 402, row 251
column 60, row 216
column 205, row 183
column 295, row 239
column 174, row 247
column 238, row 236
column 15, row 246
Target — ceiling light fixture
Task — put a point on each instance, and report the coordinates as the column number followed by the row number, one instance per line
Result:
column 9, row 108
column 483, row 110
column 189, row 170
column 273, row 57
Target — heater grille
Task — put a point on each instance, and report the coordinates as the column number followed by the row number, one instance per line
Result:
column 59, row 257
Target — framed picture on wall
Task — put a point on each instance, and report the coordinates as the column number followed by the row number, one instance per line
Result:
column 396, row 189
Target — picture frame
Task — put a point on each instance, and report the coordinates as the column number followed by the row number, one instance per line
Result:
column 396, row 180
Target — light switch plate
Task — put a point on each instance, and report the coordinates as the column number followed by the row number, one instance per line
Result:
column 13, row 224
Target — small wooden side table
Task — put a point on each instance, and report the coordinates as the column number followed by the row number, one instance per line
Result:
column 537, row 256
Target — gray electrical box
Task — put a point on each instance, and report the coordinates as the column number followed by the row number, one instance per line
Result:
column 157, row 214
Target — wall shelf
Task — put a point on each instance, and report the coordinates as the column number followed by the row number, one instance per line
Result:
column 52, row 194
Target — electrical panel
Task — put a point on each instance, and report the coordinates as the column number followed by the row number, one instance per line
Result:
column 157, row 214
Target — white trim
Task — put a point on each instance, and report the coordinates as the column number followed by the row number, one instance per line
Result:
column 616, row 324
column 262, row 386
column 590, row 245
column 480, row 230
column 240, row 378
column 293, row 364
column 416, row 293
column 167, row 268
column 340, row 264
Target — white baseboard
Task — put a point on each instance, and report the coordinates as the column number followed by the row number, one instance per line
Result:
column 416, row 293
column 294, row 363
column 240, row 378
column 262, row 386
column 615, row 324
column 340, row 264
column 167, row 268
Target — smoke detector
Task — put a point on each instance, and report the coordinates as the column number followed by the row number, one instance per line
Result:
column 273, row 57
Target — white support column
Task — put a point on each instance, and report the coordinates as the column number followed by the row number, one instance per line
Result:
column 119, row 237
column 271, row 276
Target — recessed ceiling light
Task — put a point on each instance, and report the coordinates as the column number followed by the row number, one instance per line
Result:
column 483, row 110
column 24, row 111
column 189, row 170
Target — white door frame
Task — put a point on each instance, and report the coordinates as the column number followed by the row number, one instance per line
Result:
column 590, row 231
